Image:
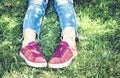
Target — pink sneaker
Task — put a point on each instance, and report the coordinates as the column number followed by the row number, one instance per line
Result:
column 32, row 55
column 63, row 56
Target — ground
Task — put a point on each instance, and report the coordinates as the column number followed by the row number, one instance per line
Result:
column 98, row 46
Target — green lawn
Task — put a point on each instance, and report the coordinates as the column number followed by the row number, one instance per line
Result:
column 98, row 46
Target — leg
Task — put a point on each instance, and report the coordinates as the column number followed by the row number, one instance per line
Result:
column 30, row 51
column 67, row 18
column 32, row 20
column 67, row 48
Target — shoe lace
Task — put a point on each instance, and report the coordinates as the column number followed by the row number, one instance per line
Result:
column 61, row 49
column 34, row 48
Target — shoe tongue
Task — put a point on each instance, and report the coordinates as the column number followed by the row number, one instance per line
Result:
column 64, row 43
column 33, row 43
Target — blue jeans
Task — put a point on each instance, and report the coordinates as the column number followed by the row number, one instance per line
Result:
column 36, row 11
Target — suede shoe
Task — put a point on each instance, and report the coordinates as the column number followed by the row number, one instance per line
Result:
column 63, row 55
column 32, row 55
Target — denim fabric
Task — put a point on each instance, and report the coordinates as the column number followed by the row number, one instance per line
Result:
column 36, row 11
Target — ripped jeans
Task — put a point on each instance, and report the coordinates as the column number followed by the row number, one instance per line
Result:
column 36, row 11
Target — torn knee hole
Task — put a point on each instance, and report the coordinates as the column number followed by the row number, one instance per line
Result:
column 62, row 1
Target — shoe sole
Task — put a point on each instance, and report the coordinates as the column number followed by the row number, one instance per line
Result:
column 62, row 65
column 32, row 63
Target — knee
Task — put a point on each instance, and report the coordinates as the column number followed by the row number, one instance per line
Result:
column 36, row 2
column 63, row 2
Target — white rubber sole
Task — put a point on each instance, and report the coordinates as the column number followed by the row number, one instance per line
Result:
column 62, row 65
column 32, row 63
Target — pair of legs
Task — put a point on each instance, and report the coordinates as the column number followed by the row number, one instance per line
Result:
column 33, row 20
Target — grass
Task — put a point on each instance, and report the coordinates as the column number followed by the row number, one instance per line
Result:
column 98, row 46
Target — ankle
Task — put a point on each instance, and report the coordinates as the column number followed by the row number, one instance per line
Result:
column 70, row 40
column 26, row 42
